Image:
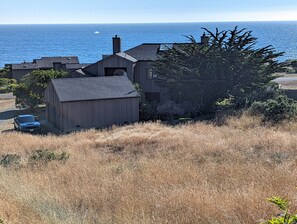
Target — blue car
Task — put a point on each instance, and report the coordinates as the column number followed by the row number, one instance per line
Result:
column 27, row 123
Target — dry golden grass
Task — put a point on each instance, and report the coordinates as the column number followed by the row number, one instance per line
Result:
column 152, row 173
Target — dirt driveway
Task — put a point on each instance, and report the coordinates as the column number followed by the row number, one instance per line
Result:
column 7, row 111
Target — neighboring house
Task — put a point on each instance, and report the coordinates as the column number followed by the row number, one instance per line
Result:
column 289, row 85
column 136, row 64
column 17, row 71
column 69, row 64
column 91, row 102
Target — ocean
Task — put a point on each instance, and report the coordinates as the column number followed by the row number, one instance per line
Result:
column 89, row 42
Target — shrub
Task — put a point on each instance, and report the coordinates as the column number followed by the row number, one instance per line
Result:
column 170, row 108
column 285, row 217
column 294, row 64
column 30, row 92
column 275, row 110
column 5, row 73
column 45, row 156
column 7, row 85
column 10, row 160
column 148, row 110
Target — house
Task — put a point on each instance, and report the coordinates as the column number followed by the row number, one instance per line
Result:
column 91, row 102
column 102, row 94
column 136, row 64
column 69, row 64
column 288, row 84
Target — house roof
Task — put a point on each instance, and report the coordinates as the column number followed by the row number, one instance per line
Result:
column 150, row 51
column 144, row 52
column 94, row 88
column 76, row 66
column 126, row 56
column 24, row 66
column 47, row 62
column 79, row 73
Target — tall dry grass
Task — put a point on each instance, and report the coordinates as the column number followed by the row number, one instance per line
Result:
column 152, row 173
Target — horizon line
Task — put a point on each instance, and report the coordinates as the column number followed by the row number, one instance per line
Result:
column 131, row 23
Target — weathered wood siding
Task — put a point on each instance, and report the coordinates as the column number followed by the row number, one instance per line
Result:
column 53, row 107
column 113, row 61
column 149, row 85
column 99, row 113
column 116, row 62
column 68, row 116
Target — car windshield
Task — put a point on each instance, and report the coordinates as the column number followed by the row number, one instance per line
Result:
column 26, row 119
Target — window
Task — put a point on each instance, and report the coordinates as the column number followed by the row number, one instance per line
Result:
column 151, row 74
column 152, row 97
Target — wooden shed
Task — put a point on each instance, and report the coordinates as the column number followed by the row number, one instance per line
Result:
column 92, row 102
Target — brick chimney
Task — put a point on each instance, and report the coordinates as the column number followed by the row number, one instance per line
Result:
column 116, row 44
column 204, row 39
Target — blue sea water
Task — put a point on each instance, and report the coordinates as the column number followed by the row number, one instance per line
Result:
column 20, row 43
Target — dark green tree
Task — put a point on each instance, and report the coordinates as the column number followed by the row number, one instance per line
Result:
column 229, row 66
column 5, row 72
column 30, row 91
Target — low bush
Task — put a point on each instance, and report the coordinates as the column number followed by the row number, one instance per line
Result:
column 7, row 85
column 294, row 64
column 10, row 160
column 5, row 73
column 275, row 110
column 45, row 156
column 148, row 111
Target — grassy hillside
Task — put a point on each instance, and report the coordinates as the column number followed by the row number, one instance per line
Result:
column 151, row 173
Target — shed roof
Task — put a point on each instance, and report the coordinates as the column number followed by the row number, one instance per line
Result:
column 94, row 88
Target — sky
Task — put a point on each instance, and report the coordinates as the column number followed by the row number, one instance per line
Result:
column 137, row 11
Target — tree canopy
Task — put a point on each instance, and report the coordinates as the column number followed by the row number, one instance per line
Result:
column 30, row 92
column 229, row 66
column 4, row 72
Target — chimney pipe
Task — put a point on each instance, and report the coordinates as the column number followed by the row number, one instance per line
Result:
column 116, row 44
column 204, row 39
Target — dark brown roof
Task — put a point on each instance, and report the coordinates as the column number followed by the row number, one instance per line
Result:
column 94, row 88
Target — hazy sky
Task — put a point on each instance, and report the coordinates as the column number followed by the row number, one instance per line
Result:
column 137, row 11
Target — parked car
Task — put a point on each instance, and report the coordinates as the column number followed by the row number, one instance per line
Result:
column 27, row 123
